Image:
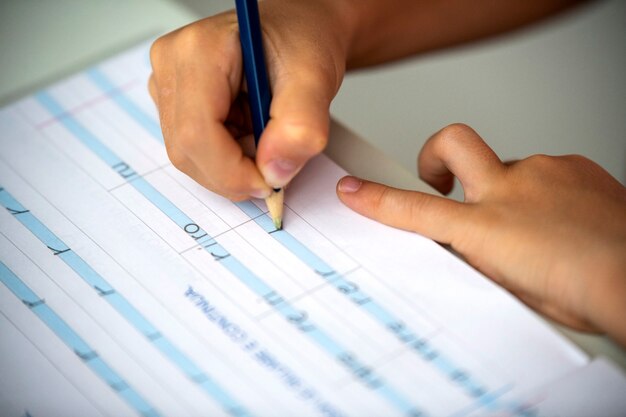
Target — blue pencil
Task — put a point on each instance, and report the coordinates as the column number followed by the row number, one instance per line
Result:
column 259, row 94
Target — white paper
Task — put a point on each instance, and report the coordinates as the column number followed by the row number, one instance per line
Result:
column 596, row 389
column 128, row 289
column 604, row 384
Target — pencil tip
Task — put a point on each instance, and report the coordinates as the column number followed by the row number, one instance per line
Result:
column 275, row 207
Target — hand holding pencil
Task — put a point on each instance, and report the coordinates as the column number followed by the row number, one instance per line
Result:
column 259, row 94
column 204, row 104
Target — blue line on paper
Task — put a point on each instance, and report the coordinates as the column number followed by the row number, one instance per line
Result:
column 488, row 402
column 77, row 129
column 260, row 353
column 148, row 123
column 382, row 315
column 74, row 342
column 119, row 303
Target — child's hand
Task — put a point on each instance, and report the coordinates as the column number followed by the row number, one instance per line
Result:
column 197, row 87
column 552, row 230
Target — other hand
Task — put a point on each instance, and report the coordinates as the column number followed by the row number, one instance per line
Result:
column 552, row 230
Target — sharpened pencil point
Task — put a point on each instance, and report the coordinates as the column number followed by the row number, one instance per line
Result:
column 275, row 206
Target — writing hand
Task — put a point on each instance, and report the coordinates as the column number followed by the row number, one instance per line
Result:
column 197, row 85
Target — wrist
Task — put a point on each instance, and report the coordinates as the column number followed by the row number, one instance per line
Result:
column 310, row 38
column 382, row 31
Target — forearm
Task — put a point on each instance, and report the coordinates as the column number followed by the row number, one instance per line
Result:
column 386, row 30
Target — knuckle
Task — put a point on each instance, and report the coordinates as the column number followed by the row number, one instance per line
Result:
column 455, row 131
column 156, row 50
column 317, row 141
column 214, row 41
column 187, row 136
column 309, row 140
column 178, row 158
column 180, row 145
column 380, row 200
column 152, row 88
column 227, row 23
column 447, row 139
column 190, row 36
column 556, row 168
column 541, row 161
column 213, row 29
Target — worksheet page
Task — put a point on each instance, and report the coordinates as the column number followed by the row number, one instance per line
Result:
column 127, row 289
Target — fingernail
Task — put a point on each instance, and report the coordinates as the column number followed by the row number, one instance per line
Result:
column 261, row 193
column 349, row 184
column 278, row 172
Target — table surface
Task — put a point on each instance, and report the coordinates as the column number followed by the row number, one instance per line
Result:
column 40, row 42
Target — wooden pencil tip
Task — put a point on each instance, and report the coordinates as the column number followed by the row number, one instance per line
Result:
column 275, row 206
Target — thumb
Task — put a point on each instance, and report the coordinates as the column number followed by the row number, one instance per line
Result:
column 298, row 126
column 437, row 218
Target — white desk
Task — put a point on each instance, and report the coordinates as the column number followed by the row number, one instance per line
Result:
column 42, row 41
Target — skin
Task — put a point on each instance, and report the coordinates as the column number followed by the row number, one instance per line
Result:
column 550, row 229
column 197, row 86
column 554, row 228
